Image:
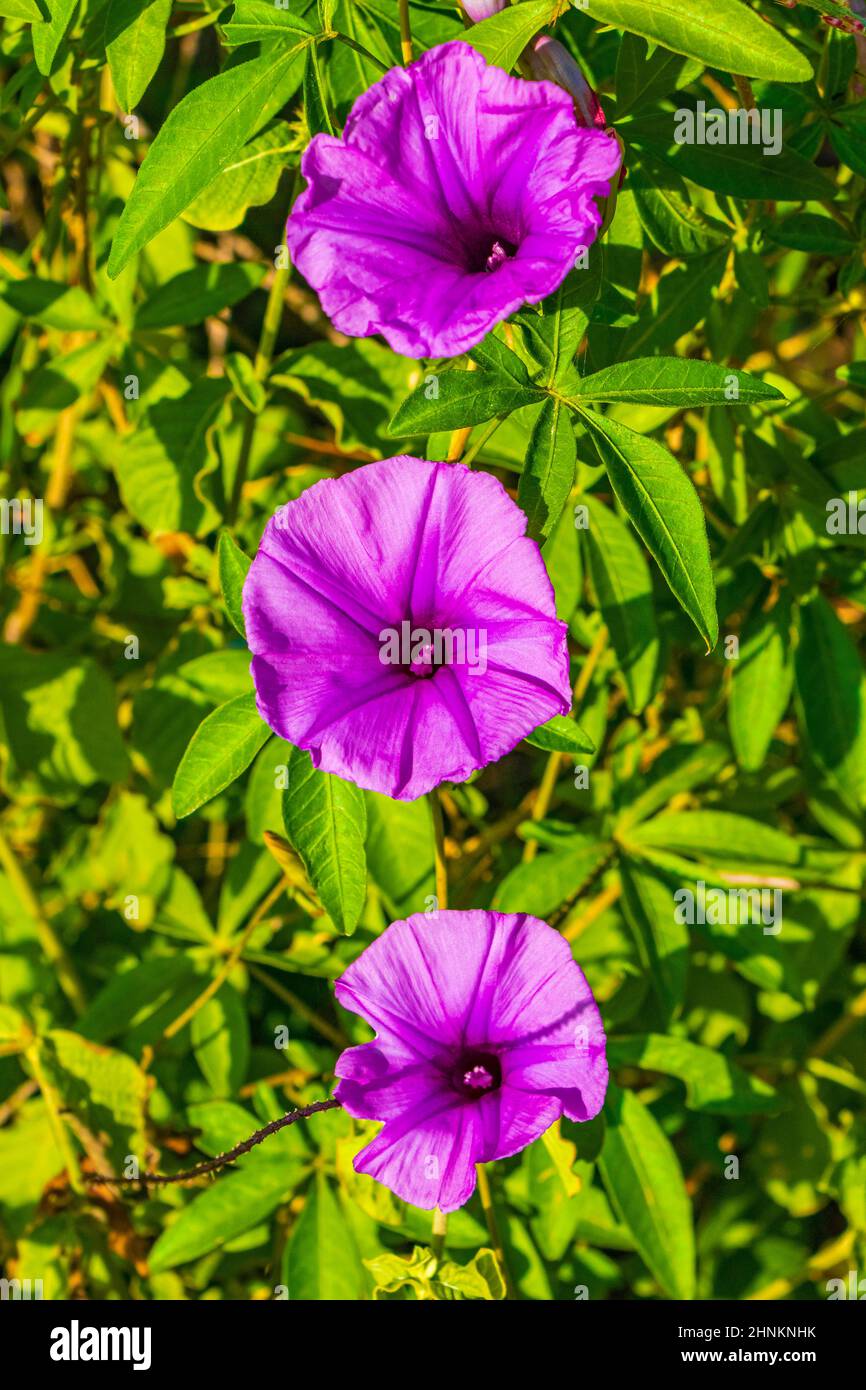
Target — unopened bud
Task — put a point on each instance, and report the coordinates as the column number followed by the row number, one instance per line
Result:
column 482, row 9
column 547, row 60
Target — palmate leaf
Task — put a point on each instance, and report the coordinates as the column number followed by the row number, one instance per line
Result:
column 661, row 502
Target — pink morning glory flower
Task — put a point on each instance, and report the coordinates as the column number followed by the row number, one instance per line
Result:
column 403, row 626
column 456, row 194
column 486, row 1033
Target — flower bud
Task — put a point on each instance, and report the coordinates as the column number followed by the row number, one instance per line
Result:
column 482, row 9
column 546, row 59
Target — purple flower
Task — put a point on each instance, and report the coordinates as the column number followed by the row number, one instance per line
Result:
column 402, row 625
column 486, row 1033
column 456, row 194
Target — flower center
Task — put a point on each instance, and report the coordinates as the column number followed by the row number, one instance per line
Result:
column 474, row 1074
column 500, row 251
column 423, row 661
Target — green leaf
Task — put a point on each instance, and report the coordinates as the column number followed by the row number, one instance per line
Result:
column 134, row 44
column 740, row 170
column 677, row 304
column 65, row 307
column 202, row 136
column 502, row 38
column 761, row 682
column 493, row 356
column 831, row 689
column 326, row 821
column 623, row 587
column 49, row 34
column 721, row 835
column 644, row 76
column 551, row 878
column 356, row 387
column 220, row 1037
column 198, row 294
column 234, row 1204
column 260, row 21
column 161, row 467
column 713, row 1083
column 248, row 181
column 726, row 35
column 315, row 96
column 456, row 399
column 662, row 942
column 222, row 747
column 555, row 328
column 646, row 1188
column 21, row 9
column 59, row 721
column 548, row 470
column 661, row 502
column 104, row 1088
column 561, row 734
column 234, row 567
column 673, row 381
column 807, row 231
column 669, row 215
column 61, row 383
column 322, row 1258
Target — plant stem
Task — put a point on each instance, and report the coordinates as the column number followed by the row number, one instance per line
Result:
column 267, row 341
column 212, row 1164
column 441, row 867
column 54, row 951
column 440, row 1230
column 359, row 48
column 61, row 1134
column 493, row 1227
column 405, row 32
column 228, row 964
column 551, row 771
column 487, row 433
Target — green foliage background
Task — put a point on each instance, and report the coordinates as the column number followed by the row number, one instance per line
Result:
column 167, row 384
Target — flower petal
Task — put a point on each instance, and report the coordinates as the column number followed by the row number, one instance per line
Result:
column 428, row 1159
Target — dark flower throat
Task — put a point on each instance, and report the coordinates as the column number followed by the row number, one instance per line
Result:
column 475, row 1074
